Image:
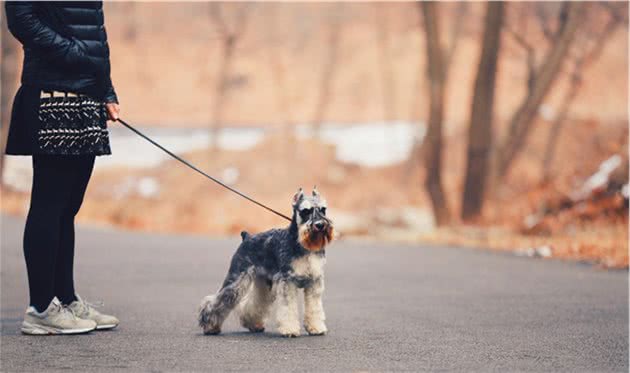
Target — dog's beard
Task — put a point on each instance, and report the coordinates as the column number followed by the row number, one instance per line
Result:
column 315, row 241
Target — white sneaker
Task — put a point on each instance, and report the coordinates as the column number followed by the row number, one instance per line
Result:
column 56, row 319
column 84, row 310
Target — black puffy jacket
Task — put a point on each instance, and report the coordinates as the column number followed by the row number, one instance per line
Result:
column 65, row 46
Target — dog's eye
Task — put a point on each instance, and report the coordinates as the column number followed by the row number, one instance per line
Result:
column 306, row 213
column 323, row 210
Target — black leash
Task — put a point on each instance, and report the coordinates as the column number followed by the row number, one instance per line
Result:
column 199, row 171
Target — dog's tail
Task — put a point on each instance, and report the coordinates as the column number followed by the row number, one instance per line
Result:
column 204, row 310
column 245, row 235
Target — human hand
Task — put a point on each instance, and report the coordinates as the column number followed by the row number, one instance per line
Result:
column 113, row 111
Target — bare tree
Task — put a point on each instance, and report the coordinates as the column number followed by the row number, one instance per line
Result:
column 455, row 33
column 278, row 72
column 456, row 28
column 280, row 41
column 591, row 49
column 381, row 20
column 571, row 17
column 432, row 147
column 9, row 81
column 329, row 67
column 130, row 33
column 133, row 27
column 480, row 130
column 230, row 20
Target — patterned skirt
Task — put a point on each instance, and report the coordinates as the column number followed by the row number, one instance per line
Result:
column 57, row 123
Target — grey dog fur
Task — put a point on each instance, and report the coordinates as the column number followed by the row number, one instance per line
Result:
column 270, row 267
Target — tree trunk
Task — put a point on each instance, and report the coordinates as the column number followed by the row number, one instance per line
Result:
column 328, row 75
column 284, row 97
column 385, row 61
column 556, row 127
column 480, row 130
column 521, row 121
column 230, row 35
column 433, row 140
column 218, row 104
column 581, row 63
column 9, row 79
column 131, row 26
column 456, row 28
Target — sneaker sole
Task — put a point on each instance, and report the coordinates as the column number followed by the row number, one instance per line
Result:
column 32, row 329
column 106, row 326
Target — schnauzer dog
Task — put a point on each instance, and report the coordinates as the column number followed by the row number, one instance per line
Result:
column 271, row 267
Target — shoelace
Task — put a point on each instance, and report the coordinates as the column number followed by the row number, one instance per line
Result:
column 88, row 307
column 63, row 311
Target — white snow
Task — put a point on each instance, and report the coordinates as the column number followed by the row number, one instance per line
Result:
column 370, row 144
column 599, row 180
column 148, row 187
column 364, row 144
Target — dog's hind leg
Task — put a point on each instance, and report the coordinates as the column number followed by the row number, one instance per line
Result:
column 215, row 309
column 255, row 307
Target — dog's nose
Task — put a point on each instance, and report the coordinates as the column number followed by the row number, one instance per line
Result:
column 320, row 225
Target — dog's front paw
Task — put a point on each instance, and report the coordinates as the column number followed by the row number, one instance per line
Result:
column 315, row 327
column 255, row 328
column 289, row 331
column 211, row 330
column 254, row 325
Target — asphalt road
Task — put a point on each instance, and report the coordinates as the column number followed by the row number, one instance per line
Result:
column 389, row 308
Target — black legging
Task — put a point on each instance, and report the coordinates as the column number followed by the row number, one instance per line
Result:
column 59, row 184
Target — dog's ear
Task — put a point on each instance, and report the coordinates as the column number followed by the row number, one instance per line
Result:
column 315, row 192
column 298, row 197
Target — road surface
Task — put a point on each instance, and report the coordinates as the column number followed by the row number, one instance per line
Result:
column 389, row 308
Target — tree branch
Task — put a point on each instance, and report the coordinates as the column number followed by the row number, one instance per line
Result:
column 543, row 22
column 456, row 29
column 531, row 56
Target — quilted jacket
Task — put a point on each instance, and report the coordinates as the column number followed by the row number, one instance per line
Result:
column 65, row 46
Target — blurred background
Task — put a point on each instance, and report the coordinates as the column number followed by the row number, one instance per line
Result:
column 492, row 125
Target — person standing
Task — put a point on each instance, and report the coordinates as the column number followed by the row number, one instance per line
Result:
column 59, row 117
